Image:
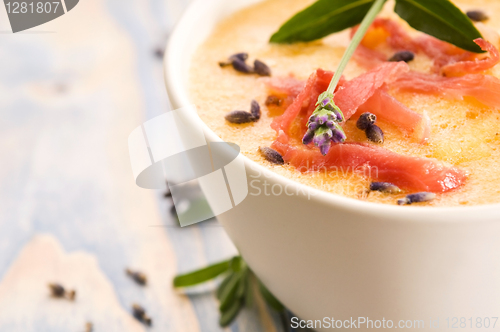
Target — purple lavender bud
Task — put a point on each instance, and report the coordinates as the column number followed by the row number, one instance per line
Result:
column 321, row 119
column 322, row 139
column 417, row 198
column 261, row 68
column 404, row 201
column 308, row 137
column 240, row 117
column 312, row 118
column 338, row 136
column 477, row 15
column 385, row 187
column 324, row 148
column 375, row 134
column 338, row 116
column 271, row 155
column 241, row 66
column 329, row 107
column 313, row 126
column 255, row 109
column 325, row 102
column 241, row 56
column 366, row 120
column 405, row 56
column 330, row 124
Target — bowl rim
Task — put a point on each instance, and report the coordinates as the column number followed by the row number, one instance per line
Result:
column 179, row 95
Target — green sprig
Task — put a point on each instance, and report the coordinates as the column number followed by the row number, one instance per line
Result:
column 356, row 39
column 236, row 289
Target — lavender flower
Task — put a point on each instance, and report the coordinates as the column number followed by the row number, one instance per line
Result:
column 323, row 125
column 417, row 198
column 385, row 187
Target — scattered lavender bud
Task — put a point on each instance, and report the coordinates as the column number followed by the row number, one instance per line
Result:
column 273, row 100
column 385, row 187
column 58, row 291
column 255, row 109
column 375, row 134
column 159, row 53
column 140, row 314
column 240, row 56
column 366, row 120
column 137, row 276
column 405, row 56
column 239, row 117
column 417, row 198
column 241, row 66
column 404, row 201
column 89, row 327
column 271, row 155
column 261, row 68
column 477, row 15
column 71, row 295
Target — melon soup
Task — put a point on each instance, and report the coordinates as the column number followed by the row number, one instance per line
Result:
column 464, row 133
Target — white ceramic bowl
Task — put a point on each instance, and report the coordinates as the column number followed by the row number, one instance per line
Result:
column 331, row 256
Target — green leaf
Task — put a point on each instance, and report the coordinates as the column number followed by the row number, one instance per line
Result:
column 199, row 276
column 270, row 299
column 249, row 289
column 240, row 292
column 441, row 19
column 230, row 314
column 228, row 293
column 223, row 285
column 236, row 263
column 321, row 19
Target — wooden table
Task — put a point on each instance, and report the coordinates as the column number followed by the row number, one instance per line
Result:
column 71, row 91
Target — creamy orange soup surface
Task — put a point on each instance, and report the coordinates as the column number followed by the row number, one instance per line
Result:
column 465, row 133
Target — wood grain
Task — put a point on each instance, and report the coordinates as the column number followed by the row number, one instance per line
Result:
column 71, row 91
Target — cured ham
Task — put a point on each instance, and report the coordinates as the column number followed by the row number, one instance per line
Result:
column 357, row 91
column 363, row 93
column 447, row 58
column 485, row 88
column 289, row 86
column 476, row 66
column 389, row 109
column 411, row 173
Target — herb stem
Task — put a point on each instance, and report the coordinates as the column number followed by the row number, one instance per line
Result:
column 358, row 36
